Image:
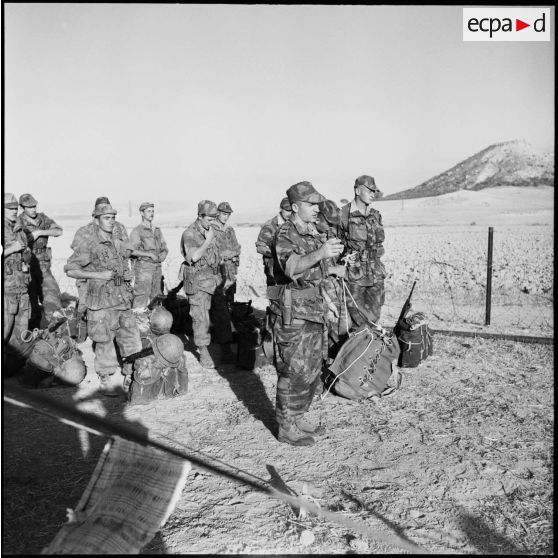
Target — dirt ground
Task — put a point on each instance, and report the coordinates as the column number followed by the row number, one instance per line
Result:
column 459, row 460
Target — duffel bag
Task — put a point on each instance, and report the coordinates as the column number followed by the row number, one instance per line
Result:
column 364, row 364
column 415, row 340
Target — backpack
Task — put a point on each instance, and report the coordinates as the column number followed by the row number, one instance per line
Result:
column 153, row 381
column 415, row 340
column 364, row 364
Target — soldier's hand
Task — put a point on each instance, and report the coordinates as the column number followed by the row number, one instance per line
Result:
column 105, row 275
column 210, row 234
column 127, row 275
column 331, row 248
column 351, row 258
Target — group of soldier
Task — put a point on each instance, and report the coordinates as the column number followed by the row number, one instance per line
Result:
column 322, row 266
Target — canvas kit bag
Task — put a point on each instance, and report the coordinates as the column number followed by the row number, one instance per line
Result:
column 414, row 336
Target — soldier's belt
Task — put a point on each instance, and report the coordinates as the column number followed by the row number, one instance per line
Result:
column 275, row 292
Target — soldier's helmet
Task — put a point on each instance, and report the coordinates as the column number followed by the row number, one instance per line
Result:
column 27, row 200
column 330, row 211
column 207, row 207
column 224, row 207
column 168, row 349
column 103, row 209
column 73, row 370
column 99, row 201
column 160, row 321
column 304, row 191
column 10, row 201
column 285, row 204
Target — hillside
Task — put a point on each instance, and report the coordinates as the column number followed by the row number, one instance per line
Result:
column 512, row 163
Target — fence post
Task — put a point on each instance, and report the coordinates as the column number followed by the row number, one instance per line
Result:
column 489, row 276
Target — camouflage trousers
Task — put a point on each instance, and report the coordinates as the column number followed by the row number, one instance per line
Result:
column 147, row 283
column 298, row 351
column 220, row 315
column 17, row 312
column 369, row 300
column 43, row 290
column 107, row 326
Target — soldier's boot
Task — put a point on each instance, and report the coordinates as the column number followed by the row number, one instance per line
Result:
column 205, row 358
column 306, row 426
column 107, row 386
column 227, row 354
column 293, row 435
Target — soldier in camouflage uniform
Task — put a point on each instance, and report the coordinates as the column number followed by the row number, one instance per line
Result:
column 15, row 283
column 229, row 254
column 300, row 314
column 102, row 259
column 266, row 238
column 362, row 233
column 149, row 250
column 43, row 288
column 201, row 274
column 118, row 232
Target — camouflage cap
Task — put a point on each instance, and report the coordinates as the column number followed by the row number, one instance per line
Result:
column 207, row 207
column 304, row 191
column 103, row 209
column 367, row 181
column 145, row 205
column 330, row 211
column 224, row 207
column 27, row 200
column 99, row 201
column 10, row 201
column 285, row 204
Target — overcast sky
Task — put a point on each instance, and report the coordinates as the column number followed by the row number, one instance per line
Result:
column 167, row 102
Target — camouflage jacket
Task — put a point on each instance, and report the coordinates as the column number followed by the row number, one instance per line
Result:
column 365, row 235
column 15, row 274
column 229, row 249
column 42, row 222
column 149, row 239
column 293, row 241
column 118, row 232
column 265, row 245
column 96, row 250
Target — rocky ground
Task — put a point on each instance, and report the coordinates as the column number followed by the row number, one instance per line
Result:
column 458, row 460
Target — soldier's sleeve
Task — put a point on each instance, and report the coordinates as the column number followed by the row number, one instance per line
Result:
column 81, row 255
column 263, row 243
column 49, row 223
column 287, row 250
column 134, row 242
column 78, row 238
column 233, row 243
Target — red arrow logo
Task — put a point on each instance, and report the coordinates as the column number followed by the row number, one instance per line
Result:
column 519, row 25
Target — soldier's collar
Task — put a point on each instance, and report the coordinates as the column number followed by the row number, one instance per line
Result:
column 354, row 210
column 280, row 219
column 304, row 228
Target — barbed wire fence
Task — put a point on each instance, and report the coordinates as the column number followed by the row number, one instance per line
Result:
column 450, row 291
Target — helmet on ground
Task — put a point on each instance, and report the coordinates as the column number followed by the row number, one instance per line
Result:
column 160, row 321
column 168, row 349
column 73, row 370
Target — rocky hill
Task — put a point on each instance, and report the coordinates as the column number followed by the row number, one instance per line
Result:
column 511, row 163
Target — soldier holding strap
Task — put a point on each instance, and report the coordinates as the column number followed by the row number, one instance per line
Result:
column 300, row 314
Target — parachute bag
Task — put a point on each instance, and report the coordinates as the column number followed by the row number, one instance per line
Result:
column 415, row 339
column 364, row 364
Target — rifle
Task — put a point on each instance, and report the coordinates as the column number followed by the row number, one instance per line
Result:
column 407, row 305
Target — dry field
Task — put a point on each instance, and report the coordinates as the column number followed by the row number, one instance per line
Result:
column 459, row 460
